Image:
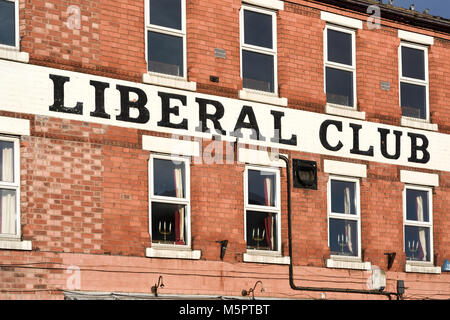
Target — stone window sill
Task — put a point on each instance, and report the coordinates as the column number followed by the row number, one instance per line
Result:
column 168, row 81
column 14, row 55
column 262, row 97
column 344, row 111
column 172, row 252
column 10, row 244
column 422, row 268
column 418, row 124
column 265, row 257
column 348, row 263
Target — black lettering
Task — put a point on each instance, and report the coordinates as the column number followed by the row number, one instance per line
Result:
column 166, row 111
column 277, row 115
column 215, row 117
column 383, row 143
column 99, row 111
column 323, row 134
column 355, row 149
column 252, row 124
column 415, row 148
column 126, row 105
column 58, row 93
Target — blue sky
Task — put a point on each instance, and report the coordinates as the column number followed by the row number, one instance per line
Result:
column 437, row 7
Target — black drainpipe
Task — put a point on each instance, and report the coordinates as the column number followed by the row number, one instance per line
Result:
column 291, row 269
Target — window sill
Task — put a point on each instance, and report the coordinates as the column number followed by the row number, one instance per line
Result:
column 168, row 81
column 343, row 111
column 172, row 252
column 263, row 97
column 418, row 267
column 14, row 55
column 348, row 263
column 257, row 256
column 418, row 124
column 10, row 244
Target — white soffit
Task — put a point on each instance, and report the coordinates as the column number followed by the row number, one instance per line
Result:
column 269, row 4
column 14, row 126
column 415, row 37
column 345, row 168
column 174, row 147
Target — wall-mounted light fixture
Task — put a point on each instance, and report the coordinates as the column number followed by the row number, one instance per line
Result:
column 304, row 174
column 160, row 284
column 252, row 290
column 391, row 258
column 223, row 248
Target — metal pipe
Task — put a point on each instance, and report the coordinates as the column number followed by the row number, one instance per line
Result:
column 291, row 268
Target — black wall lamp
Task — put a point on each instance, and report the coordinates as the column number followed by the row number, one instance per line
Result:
column 391, row 258
column 160, row 284
column 252, row 290
column 304, row 174
column 223, row 248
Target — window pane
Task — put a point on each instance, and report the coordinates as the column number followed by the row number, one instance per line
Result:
column 343, row 237
column 417, row 243
column 339, row 85
column 258, row 71
column 343, row 197
column 258, row 29
column 413, row 100
column 261, row 230
column 417, row 205
column 166, row 13
column 413, row 63
column 168, row 223
column 165, row 54
column 261, row 188
column 6, row 161
column 339, row 47
column 169, row 178
column 7, row 211
column 7, row 23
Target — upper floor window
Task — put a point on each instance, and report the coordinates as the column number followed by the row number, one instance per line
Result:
column 414, row 80
column 9, row 188
column 258, row 49
column 418, row 224
column 340, row 66
column 169, row 200
column 166, row 37
column 262, row 208
column 9, row 32
column 344, row 216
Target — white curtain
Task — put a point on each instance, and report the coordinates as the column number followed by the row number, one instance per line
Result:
column 348, row 225
column 7, row 197
column 422, row 235
column 270, row 219
column 179, row 194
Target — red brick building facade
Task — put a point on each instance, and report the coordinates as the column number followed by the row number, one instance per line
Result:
column 91, row 111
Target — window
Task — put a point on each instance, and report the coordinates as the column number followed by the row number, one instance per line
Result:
column 344, row 217
column 9, row 33
column 418, row 224
column 340, row 66
column 166, row 37
column 414, row 80
column 262, row 208
column 258, row 49
column 9, row 188
column 169, row 200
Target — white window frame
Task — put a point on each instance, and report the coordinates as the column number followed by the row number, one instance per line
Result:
column 168, row 31
column 340, row 66
column 414, row 223
column 171, row 200
column 355, row 217
column 15, row 185
column 257, row 49
column 276, row 209
column 424, row 83
column 17, row 37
